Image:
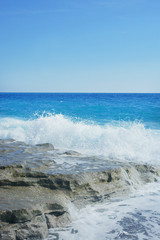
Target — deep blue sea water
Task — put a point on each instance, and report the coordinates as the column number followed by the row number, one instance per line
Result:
column 98, row 107
column 123, row 126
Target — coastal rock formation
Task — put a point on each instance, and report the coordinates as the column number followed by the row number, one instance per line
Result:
column 33, row 198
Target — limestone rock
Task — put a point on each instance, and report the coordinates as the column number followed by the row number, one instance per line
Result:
column 34, row 199
column 46, row 145
column 58, row 220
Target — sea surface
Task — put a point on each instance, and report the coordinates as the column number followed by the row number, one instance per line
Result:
column 117, row 127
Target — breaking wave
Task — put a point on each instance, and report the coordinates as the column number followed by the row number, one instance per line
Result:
column 124, row 141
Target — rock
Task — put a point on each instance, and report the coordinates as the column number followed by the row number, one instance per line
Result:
column 35, row 230
column 33, row 199
column 70, row 153
column 58, row 221
column 9, row 140
column 8, row 235
column 18, row 216
column 45, row 145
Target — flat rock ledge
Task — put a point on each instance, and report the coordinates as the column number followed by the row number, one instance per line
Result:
column 32, row 202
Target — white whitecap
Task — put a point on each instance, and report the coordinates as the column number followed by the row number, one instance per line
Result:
column 124, row 141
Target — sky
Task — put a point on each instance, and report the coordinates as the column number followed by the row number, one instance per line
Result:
column 80, row 46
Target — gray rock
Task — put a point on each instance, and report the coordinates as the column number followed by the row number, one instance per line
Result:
column 19, row 215
column 8, row 235
column 58, row 221
column 35, row 230
column 45, row 145
column 32, row 200
column 70, row 153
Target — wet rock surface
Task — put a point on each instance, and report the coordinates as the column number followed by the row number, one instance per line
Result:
column 37, row 184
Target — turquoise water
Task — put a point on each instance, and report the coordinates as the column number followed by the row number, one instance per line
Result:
column 100, row 108
column 117, row 126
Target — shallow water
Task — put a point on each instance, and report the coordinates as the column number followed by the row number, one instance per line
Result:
column 45, row 158
column 136, row 217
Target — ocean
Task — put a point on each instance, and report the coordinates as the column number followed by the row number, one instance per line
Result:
column 117, row 127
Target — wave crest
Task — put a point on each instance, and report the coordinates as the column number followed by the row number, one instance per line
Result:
column 124, row 141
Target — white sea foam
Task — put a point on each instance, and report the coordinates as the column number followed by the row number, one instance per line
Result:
column 123, row 141
column 134, row 217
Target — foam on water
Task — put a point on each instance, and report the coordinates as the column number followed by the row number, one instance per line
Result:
column 135, row 217
column 122, row 141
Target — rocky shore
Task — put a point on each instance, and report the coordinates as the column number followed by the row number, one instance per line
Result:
column 35, row 192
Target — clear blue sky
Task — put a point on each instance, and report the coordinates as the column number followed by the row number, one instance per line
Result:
column 80, row 45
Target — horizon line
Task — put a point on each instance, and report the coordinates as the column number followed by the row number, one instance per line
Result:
column 89, row 92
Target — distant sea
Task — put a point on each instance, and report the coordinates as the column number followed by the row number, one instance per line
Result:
column 117, row 127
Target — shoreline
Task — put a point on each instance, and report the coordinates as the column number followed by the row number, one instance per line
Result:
column 34, row 199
